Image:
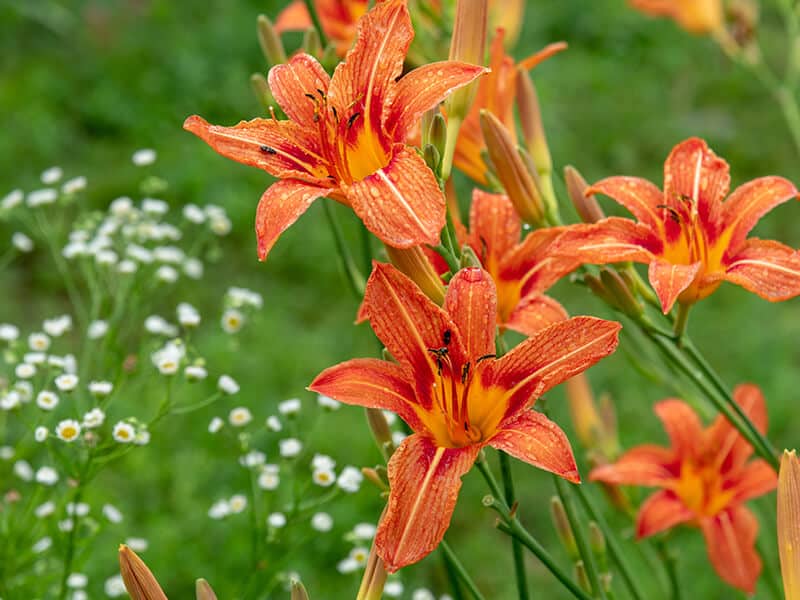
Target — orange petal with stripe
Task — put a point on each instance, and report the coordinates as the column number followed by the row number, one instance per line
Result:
column 647, row 465
column 755, row 479
column 299, row 87
column 659, row 512
column 730, row 540
column 682, row 425
column 280, row 206
column 669, row 280
column 639, row 196
column 536, row 440
column 471, row 301
column 294, row 17
column 424, row 482
column 494, row 227
column 611, row 240
column 751, row 201
column 767, row 268
column 534, row 313
column 400, row 203
column 733, row 449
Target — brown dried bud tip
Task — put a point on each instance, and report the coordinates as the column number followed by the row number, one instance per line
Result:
column 588, row 208
column 203, row 590
column 139, row 580
column 298, row 591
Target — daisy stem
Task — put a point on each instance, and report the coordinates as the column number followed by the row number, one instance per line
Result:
column 460, row 571
column 580, row 538
column 516, row 546
column 613, row 545
column 510, row 525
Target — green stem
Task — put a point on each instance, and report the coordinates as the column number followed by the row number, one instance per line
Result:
column 352, row 274
column 671, row 567
column 614, row 548
column 516, row 546
column 510, row 525
column 460, row 571
column 453, row 127
column 680, row 322
column 580, row 538
column 315, row 21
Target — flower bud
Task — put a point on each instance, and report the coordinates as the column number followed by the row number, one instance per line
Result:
column 597, row 542
column 380, row 431
column 378, row 476
column 432, row 157
column 203, row 590
column 311, row 43
column 261, row 90
column 623, row 298
column 582, row 577
column 437, row 132
column 469, row 258
column 139, row 580
column 587, row 206
column 789, row 523
column 298, row 591
column 582, row 408
column 413, row 263
column 270, row 41
column 562, row 526
column 515, row 177
column 530, row 116
column 468, row 45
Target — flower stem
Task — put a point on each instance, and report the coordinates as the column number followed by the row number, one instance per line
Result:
column 453, row 127
column 510, row 525
column 516, row 546
column 680, row 322
column 460, row 571
column 315, row 21
column 351, row 272
column 580, row 538
column 670, row 564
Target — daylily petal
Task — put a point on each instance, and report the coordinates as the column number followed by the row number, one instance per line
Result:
column 767, row 268
column 550, row 357
column 669, row 280
column 471, row 301
column 281, row 205
column 409, row 324
column 371, row 383
column 611, row 240
column 682, row 425
column 751, row 201
column 730, row 541
column 424, row 481
column 422, row 89
column 294, row 17
column 535, row 439
column 639, row 196
column 339, row 19
column 299, row 87
column 732, row 449
column 755, row 479
column 535, row 263
column 789, row 524
column 401, row 203
column 647, row 465
column 494, row 227
column 534, row 313
column 659, row 512
column 363, row 80
column 694, row 173
column 281, row 148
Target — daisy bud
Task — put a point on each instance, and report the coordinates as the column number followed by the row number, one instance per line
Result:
column 512, row 172
column 270, row 41
column 587, row 206
column 563, row 529
column 203, row 590
column 139, row 580
column 468, row 45
column 789, row 523
column 413, row 263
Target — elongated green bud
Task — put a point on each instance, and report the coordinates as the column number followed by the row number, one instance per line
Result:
column 587, row 207
column 581, row 577
column 271, row 44
column 203, row 590
column 311, row 43
column 261, row 89
column 380, row 431
column 562, row 526
column 597, row 542
column 298, row 591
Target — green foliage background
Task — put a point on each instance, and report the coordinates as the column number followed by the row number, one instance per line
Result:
column 85, row 83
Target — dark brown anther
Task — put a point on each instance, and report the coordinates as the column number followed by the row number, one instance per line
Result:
column 446, row 337
column 464, row 372
column 352, row 119
column 268, row 150
column 485, row 357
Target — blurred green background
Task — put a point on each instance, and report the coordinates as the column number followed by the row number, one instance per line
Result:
column 84, row 84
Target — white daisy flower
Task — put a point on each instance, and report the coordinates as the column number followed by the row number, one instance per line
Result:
column 97, row 329
column 232, row 320
column 193, row 268
column 391, row 417
column 322, row 521
column 393, row 589
column 137, row 544
column 77, row 580
column 23, row 470
column 195, row 373
column 25, row 391
column 188, row 316
column 25, row 370
column 38, row 342
column 422, row 594
column 66, row 525
column 41, row 197
column 124, row 432
column 142, row 437
column 350, row 479
column 40, row 434
column 328, row 403
column 254, row 458
column 167, row 274
column 221, row 225
column 268, row 479
column 289, row 407
column 114, row 587
column 22, row 242
column 227, row 385
column 276, row 520
column 398, row 437
column 290, row 447
column 323, row 477
column 45, row 509
column 106, row 257
column 58, row 326
column 323, row 461
column 66, row 382
column 169, row 254
column 274, row 423
column 81, row 509
column 139, row 253
column 42, row 545
column 35, row 358
column 94, row 418
column 10, row 401
column 360, row 554
column 240, row 416
column 364, row 531
column 11, row 200
column 219, row 510
column 144, row 157
column 348, row 565
column 51, row 175
column 74, row 185
column 215, row 425
column 194, row 214
column 154, row 206
column 112, row 513
column 68, row 430
column 8, row 332
column 127, row 267
column 46, row 476
column 6, row 452
column 239, row 297
column 237, row 503
column 100, row 389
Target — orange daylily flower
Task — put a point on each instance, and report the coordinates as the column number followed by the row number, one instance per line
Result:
column 691, row 239
column 345, row 137
column 706, row 478
column 695, row 16
column 456, row 396
column 338, row 18
column 522, row 271
column 496, row 93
